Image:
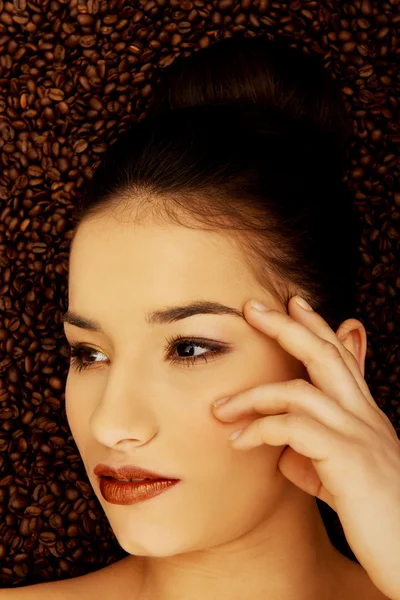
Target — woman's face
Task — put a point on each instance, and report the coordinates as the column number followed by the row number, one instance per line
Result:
column 134, row 406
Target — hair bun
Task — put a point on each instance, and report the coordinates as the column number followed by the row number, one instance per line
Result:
column 259, row 76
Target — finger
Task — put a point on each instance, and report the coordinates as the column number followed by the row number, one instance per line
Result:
column 316, row 323
column 322, row 359
column 300, row 470
column 330, row 450
column 295, row 396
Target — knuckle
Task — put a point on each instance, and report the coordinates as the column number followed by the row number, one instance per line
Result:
column 298, row 387
column 299, row 384
column 294, row 419
column 331, row 350
column 348, row 355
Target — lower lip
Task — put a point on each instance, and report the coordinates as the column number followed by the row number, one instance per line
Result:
column 125, row 492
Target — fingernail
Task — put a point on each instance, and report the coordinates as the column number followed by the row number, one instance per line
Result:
column 259, row 306
column 235, row 435
column 301, row 302
column 221, row 401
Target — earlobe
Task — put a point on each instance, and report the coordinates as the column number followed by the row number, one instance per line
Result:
column 353, row 336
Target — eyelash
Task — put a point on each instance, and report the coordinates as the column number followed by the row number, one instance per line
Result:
column 78, row 349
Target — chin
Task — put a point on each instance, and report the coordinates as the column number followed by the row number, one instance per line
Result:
column 153, row 546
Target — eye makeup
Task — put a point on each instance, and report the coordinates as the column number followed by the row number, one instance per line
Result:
column 78, row 351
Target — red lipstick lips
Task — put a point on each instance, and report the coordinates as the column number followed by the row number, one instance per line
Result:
column 117, row 487
column 128, row 472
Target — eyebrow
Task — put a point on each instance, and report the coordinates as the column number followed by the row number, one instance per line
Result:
column 161, row 317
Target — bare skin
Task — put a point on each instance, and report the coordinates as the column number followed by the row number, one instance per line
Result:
column 125, row 579
column 234, row 527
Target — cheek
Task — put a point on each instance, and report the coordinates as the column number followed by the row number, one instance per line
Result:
column 202, row 440
column 206, row 443
column 244, row 481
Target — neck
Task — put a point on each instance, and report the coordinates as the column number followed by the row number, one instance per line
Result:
column 288, row 556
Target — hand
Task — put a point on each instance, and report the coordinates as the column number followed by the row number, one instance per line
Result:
column 341, row 448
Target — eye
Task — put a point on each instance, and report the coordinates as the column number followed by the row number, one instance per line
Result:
column 80, row 353
column 179, row 342
column 77, row 354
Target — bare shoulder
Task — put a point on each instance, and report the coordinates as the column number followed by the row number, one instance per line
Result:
column 55, row 590
column 107, row 583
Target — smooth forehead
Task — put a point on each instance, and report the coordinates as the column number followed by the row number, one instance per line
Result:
column 114, row 238
column 145, row 259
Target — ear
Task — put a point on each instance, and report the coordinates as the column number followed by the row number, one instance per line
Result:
column 353, row 336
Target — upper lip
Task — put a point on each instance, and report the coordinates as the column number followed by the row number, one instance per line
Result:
column 128, row 472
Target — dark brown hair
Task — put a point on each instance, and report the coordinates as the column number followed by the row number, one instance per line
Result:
column 247, row 135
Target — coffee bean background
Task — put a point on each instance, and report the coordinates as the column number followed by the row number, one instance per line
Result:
column 73, row 75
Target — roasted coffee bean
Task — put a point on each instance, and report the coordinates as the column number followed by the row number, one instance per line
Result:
column 68, row 87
